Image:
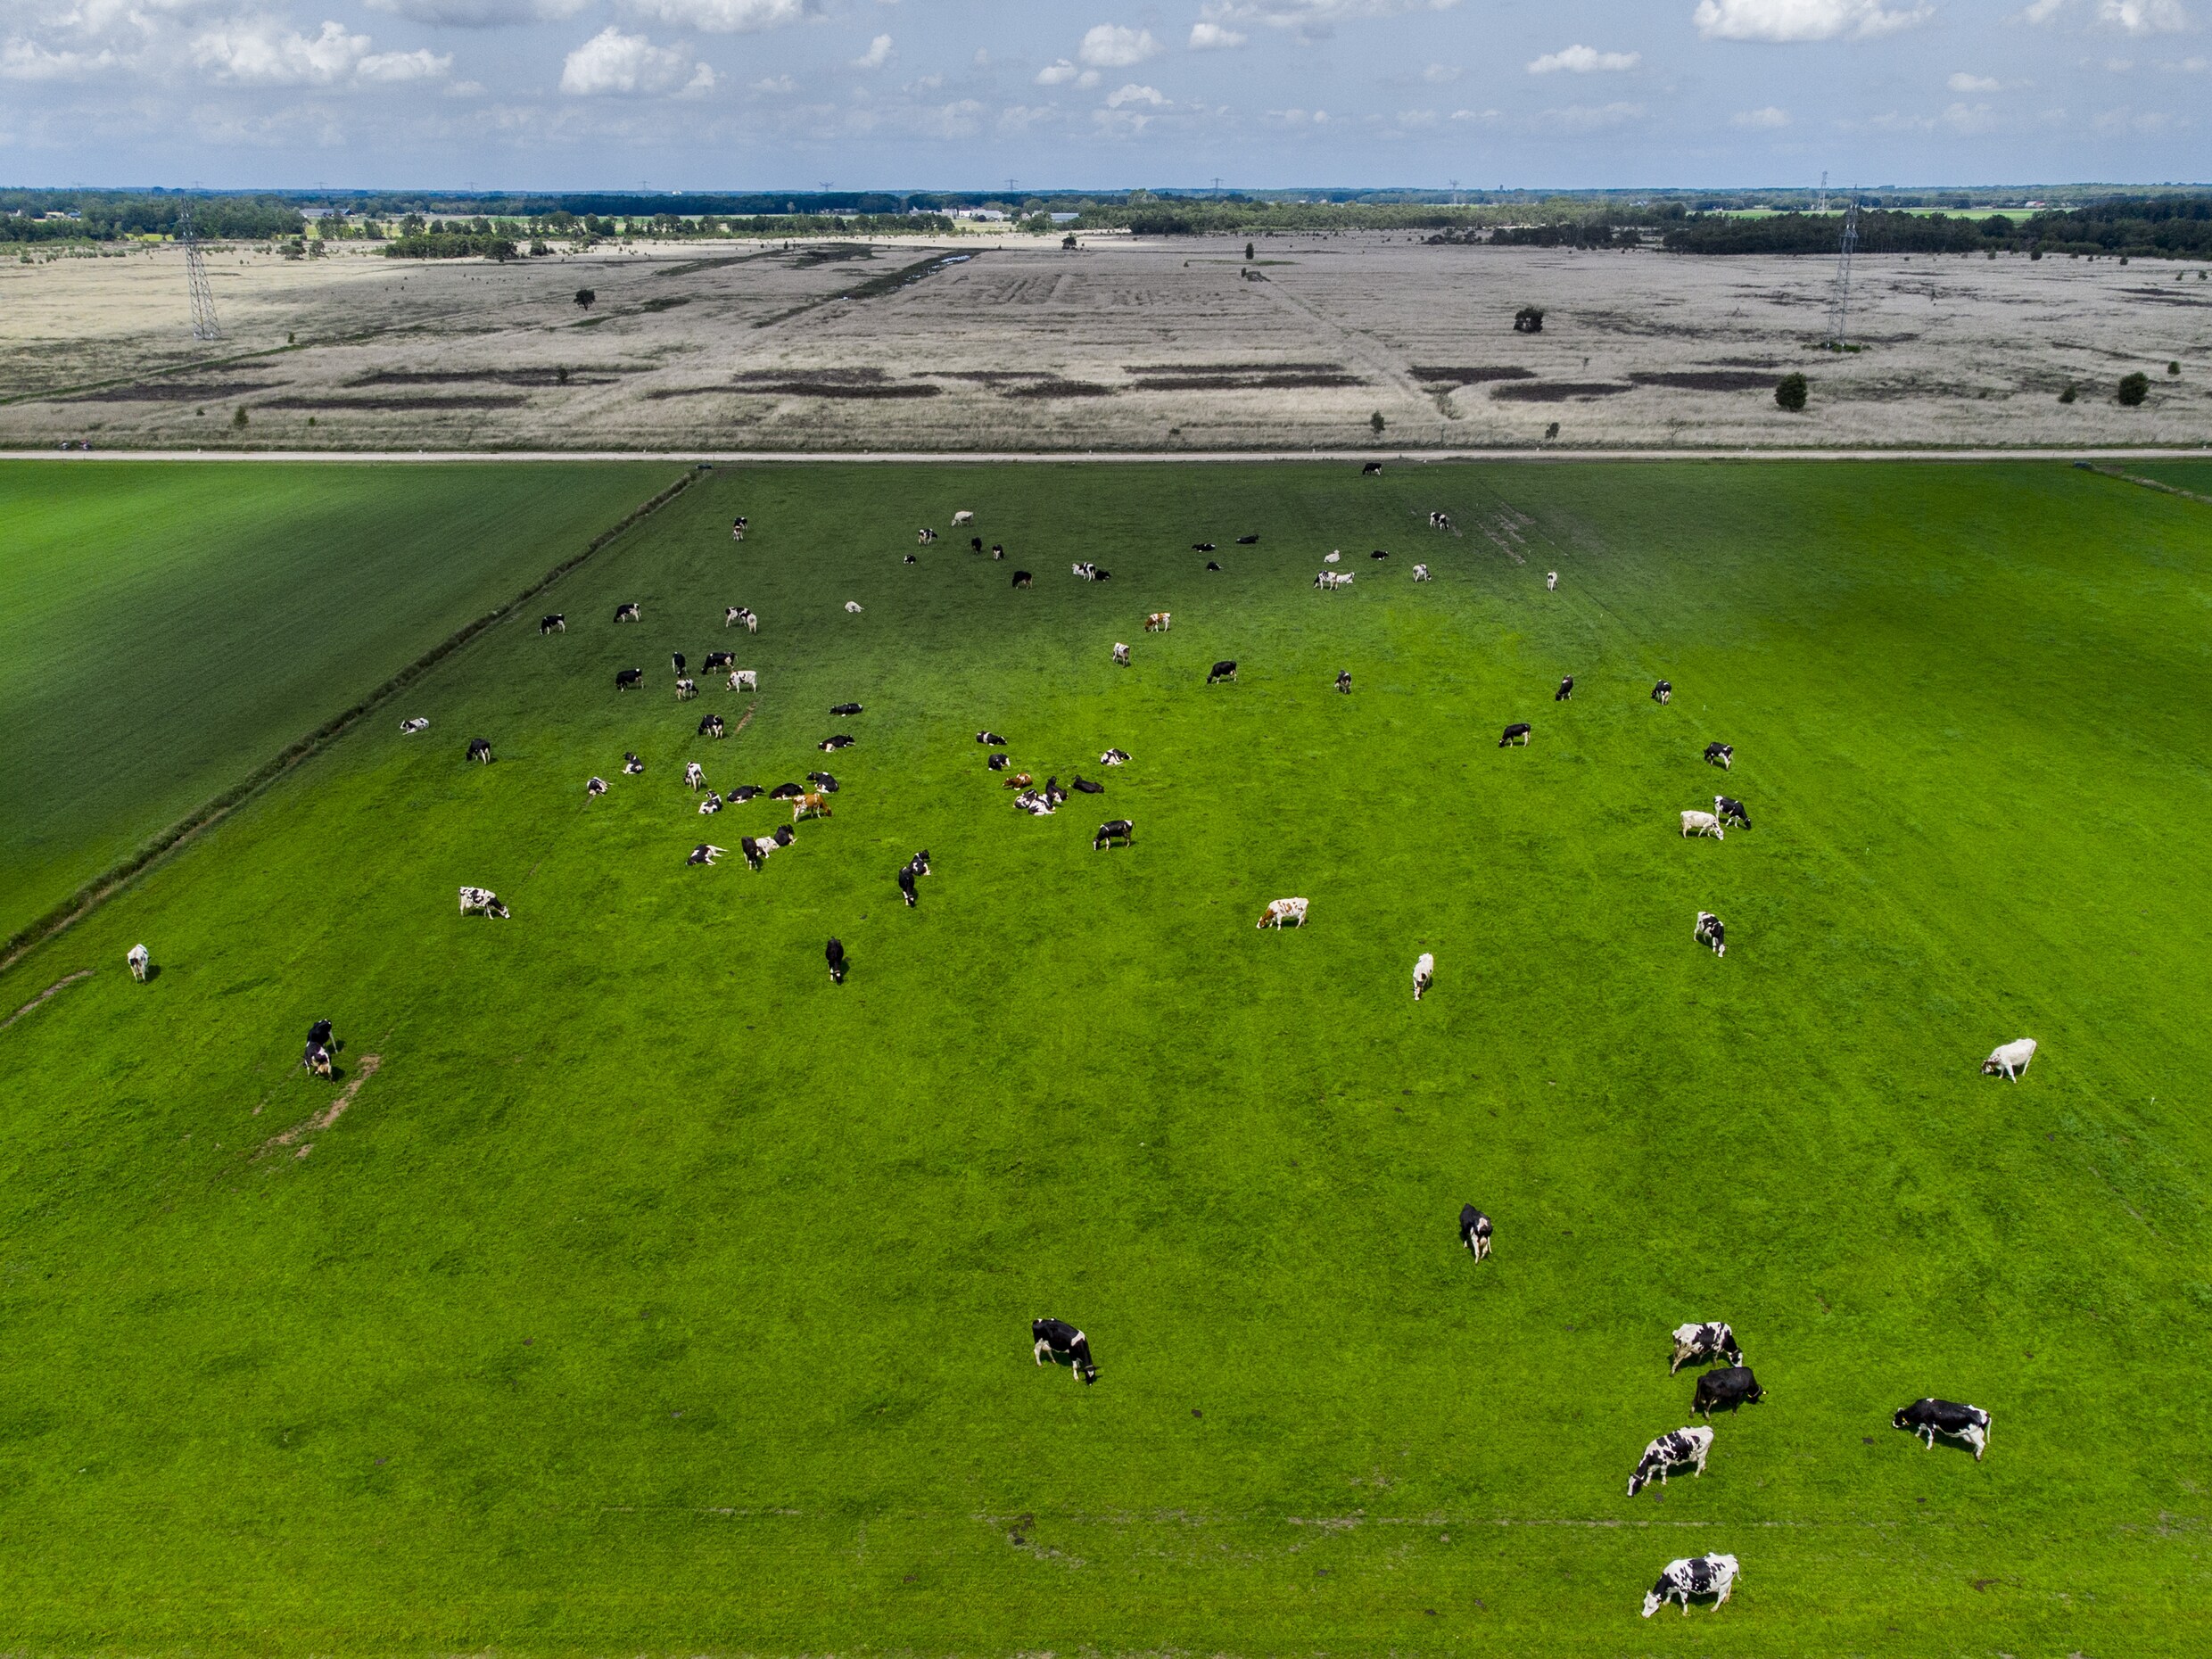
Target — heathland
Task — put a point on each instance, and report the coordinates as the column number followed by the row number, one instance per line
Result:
column 650, row 1292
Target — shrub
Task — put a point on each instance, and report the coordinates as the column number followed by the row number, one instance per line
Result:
column 2173, row 368
column 584, row 297
column 1551, row 431
column 2134, row 389
column 1248, row 251
column 1789, row 392
column 1528, row 320
column 239, row 420
column 1376, row 421
column 2068, row 395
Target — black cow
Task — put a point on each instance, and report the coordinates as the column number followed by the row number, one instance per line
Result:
column 1021, row 579
column 1099, row 573
column 1710, row 931
column 991, row 739
column 906, row 884
column 1474, row 1231
column 552, row 623
column 783, row 836
column 1061, row 1341
column 1566, row 691
column 316, row 1060
column 1710, row 1341
column 1083, row 786
column 632, row 764
column 920, row 862
column 786, row 791
column 1247, row 541
column 628, row 678
column 1378, row 553
column 1224, row 670
column 1721, row 755
column 1344, row 681
column 743, row 793
column 1927, row 1418
column 975, row 544
column 755, row 852
column 845, row 708
column 480, row 750
column 998, row 762
column 1373, row 469
column 911, row 559
column 626, row 613
column 1726, row 807
column 1112, row 830
column 1517, row 733
column 1202, row 547
column 711, row 726
column 843, row 741
column 319, row 1035
column 1664, row 692
column 1731, row 1386
column 1212, row 565
column 823, row 781
column 675, row 661
column 718, row 660
column 834, row 954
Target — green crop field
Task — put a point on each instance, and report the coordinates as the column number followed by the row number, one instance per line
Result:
column 171, row 628
column 652, row 1294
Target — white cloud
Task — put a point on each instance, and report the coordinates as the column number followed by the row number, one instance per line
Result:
column 1969, row 118
column 726, row 17
column 924, row 83
column 1440, row 74
column 1089, row 78
column 1054, row 74
column 878, row 54
column 1583, row 117
column 1761, row 120
column 26, row 60
column 1135, row 94
column 479, row 13
column 1119, row 123
column 402, row 66
column 1213, row 37
column 775, row 84
column 2143, row 17
column 1964, row 82
column 611, row 62
column 1311, row 19
column 1485, row 118
column 1801, row 20
column 261, row 52
column 1583, row 61
column 1110, row 46
column 2041, row 11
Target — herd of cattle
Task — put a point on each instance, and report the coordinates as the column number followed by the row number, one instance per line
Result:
column 1731, row 1386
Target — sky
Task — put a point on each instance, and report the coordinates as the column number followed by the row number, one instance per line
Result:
column 729, row 94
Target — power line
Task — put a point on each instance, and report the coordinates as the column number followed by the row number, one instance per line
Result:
column 203, row 324
column 1839, row 300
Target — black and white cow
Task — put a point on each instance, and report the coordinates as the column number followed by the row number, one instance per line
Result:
column 1664, row 692
column 1114, row 757
column 1474, row 1231
column 920, row 862
column 845, row 708
column 1121, row 656
column 594, row 787
column 719, row 662
column 480, row 750
column 628, row 678
column 319, row 1035
column 1224, row 669
column 1439, row 521
column 755, row 852
column 1699, row 1575
column 998, row 550
column 1927, row 1418
column 675, row 661
column 316, row 1060
column 408, row 728
column 141, row 961
column 990, row 740
column 627, row 612
column 1344, row 681
column 1517, row 733
column 1566, row 691
column 704, row 852
column 710, row 805
column 552, row 623
column 711, row 726
column 911, row 559
column 1551, row 581
column 1202, row 547
column 686, row 690
column 998, row 762
column 1114, row 830
column 833, row 953
column 1212, row 565
column 925, row 536
column 481, row 902
column 1424, row 974
column 743, row 793
column 1721, row 755
column 1670, row 1451
column 1710, row 1341
column 1731, row 1386
column 1054, row 794
column 736, row 528
column 787, row 792
column 1373, row 469
column 1022, row 578
column 1727, row 807
column 1421, row 573
column 693, row 775
column 1060, row 1342
column 823, row 780
column 1248, row 541
column 632, row 764
column 1083, row 786
column 739, row 614
column 1378, row 553
column 842, row 740
column 906, row 884
column 1709, row 931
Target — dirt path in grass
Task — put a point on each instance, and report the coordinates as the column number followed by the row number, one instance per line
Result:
column 59, row 985
column 329, row 1115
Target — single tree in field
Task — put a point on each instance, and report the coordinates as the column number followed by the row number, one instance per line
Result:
column 584, row 297
column 1377, row 422
column 1789, row 392
column 1248, row 250
column 1528, row 320
column 2134, row 389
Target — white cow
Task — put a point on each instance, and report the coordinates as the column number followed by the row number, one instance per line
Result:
column 851, row 608
column 1283, row 912
column 1703, row 1575
column 711, row 804
column 408, row 728
column 1423, row 975
column 1702, row 824
column 1121, row 655
column 140, row 961
column 1421, row 573
column 2010, row 1058
column 481, row 902
column 694, row 776
column 962, row 518
column 744, row 680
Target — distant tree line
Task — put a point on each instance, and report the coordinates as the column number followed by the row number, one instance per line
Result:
column 109, row 216
column 2172, row 227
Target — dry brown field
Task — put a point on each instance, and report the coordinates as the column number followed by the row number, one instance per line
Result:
column 1120, row 345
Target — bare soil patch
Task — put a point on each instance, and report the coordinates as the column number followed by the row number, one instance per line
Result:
column 1555, row 391
column 1705, row 379
column 295, row 1136
column 1440, row 375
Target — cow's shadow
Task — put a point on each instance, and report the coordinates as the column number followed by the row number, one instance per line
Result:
column 153, row 972
column 1946, row 1442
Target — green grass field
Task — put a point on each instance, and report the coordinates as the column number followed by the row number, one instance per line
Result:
column 655, row 1295
column 174, row 627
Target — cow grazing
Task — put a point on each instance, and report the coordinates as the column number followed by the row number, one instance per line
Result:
column 632, row 764
column 739, row 614
column 975, row 545
column 998, row 550
column 1664, row 692
column 316, row 1058
column 834, row 954
column 1698, row 1575
column 1551, row 580
column 920, row 862
column 743, row 793
column 1248, row 541
column 1711, row 1340
column 1084, row 569
column 408, row 728
column 480, row 750
column 141, row 961
column 1423, row 975
column 1439, row 521
column 1721, row 755
column 1517, row 733
column 704, row 852
column 1421, row 573
column 1063, row 1344
column 1283, row 912
column 823, row 781
column 2010, row 1058
column 1344, row 681
column 1158, row 622
column 744, row 680
column 845, row 708
column 595, row 787
column 962, row 518
column 318, row 1034
column 1224, row 669
column 553, row 623
column 675, row 661
column 851, row 608
column 711, row 726
column 755, row 852
column 1114, row 757
column 1731, row 1386
column 810, row 804
column 1670, row 1451
column 1329, row 581
column 628, row 678
column 694, row 776
column 1709, row 931
column 1022, row 578
column 481, row 902
column 906, row 884
column 1474, row 1231
column 1567, row 690
column 737, row 529
column 835, row 741
column 1702, row 824
column 1112, row 830
column 1121, row 656
column 628, row 613
column 1927, row 1418
column 925, row 536
column 1202, row 547
column 998, row 762
column 719, row 662
column 1083, row 786
column 991, row 739
column 1373, row 469
column 710, row 805
column 1727, row 808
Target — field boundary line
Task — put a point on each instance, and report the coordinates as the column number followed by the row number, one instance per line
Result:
column 2159, row 484
column 89, row 896
column 1552, row 456
column 40, row 1001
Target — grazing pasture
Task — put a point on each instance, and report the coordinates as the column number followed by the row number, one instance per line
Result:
column 633, row 1286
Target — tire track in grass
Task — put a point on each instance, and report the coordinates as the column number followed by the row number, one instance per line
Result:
column 38, row 1001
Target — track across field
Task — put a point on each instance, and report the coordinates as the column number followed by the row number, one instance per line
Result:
column 654, row 1294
